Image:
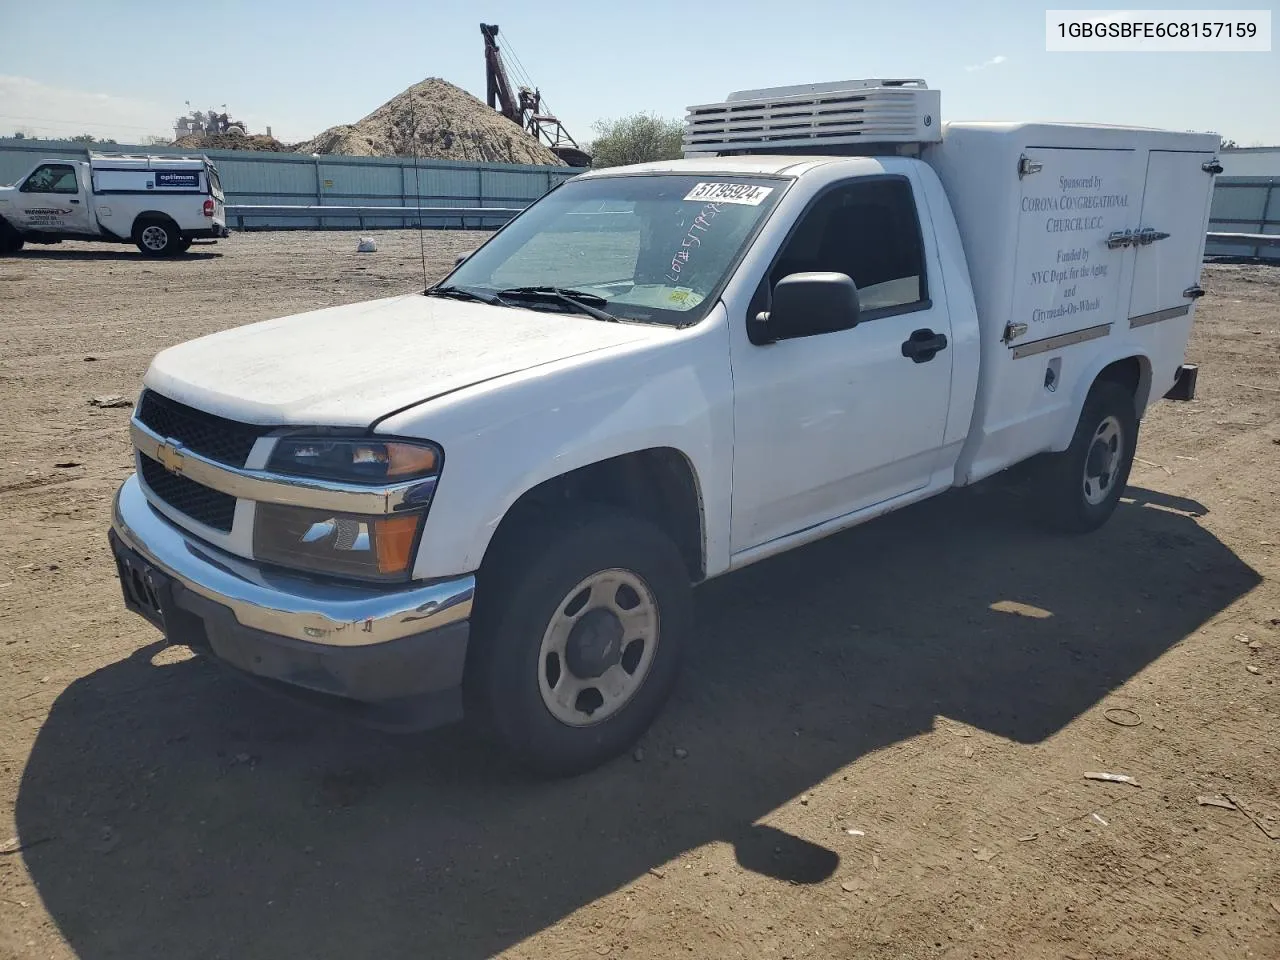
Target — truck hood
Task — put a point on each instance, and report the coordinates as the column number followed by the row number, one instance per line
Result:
column 351, row 365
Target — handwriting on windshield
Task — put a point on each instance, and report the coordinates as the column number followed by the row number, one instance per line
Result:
column 692, row 240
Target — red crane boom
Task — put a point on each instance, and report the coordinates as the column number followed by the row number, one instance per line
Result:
column 526, row 109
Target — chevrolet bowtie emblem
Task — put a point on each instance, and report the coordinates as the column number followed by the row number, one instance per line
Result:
column 170, row 457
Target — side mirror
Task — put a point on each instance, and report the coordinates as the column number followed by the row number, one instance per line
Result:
column 807, row 304
column 462, row 256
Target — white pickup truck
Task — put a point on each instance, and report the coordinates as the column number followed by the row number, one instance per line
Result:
column 161, row 204
column 494, row 498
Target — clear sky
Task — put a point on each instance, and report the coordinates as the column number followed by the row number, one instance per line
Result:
column 124, row 68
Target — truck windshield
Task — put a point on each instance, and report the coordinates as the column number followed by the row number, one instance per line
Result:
column 653, row 248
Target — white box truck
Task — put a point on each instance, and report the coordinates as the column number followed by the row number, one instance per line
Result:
column 493, row 499
column 162, row 204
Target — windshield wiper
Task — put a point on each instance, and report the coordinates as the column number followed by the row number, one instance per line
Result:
column 588, row 303
column 461, row 293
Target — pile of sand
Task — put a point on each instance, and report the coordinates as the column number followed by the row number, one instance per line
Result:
column 450, row 123
column 231, row 141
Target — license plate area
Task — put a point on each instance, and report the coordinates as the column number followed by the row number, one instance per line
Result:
column 146, row 589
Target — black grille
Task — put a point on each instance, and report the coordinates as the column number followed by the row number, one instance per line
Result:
column 210, row 507
column 227, row 441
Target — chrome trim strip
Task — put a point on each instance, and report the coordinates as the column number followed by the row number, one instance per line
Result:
column 1062, row 340
column 268, row 487
column 335, row 614
column 1155, row 317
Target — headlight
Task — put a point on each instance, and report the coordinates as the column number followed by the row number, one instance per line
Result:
column 370, row 547
column 365, row 460
column 340, row 544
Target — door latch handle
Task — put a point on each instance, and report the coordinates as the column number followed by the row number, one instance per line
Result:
column 923, row 345
column 1193, row 293
column 75, row 201
column 1012, row 331
column 1135, row 238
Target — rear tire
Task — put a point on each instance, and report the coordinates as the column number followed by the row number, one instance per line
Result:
column 157, row 237
column 1080, row 487
column 580, row 620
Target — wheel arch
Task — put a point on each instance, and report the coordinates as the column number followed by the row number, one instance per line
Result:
column 657, row 484
column 150, row 216
column 1133, row 372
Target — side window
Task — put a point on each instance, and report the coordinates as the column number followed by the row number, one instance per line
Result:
column 870, row 231
column 52, row 178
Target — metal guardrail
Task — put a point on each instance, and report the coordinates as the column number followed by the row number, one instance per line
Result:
column 360, row 214
column 1247, row 211
column 1253, row 239
column 238, row 212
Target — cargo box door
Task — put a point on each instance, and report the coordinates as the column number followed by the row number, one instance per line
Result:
column 1068, row 279
column 1169, row 245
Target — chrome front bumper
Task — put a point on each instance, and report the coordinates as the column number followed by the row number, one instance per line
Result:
column 335, row 614
column 391, row 657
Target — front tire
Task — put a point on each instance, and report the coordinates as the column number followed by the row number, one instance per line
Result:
column 10, row 240
column 157, row 237
column 580, row 620
column 1080, row 487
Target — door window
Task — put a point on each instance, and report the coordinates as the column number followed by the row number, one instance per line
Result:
column 869, row 231
column 52, row 178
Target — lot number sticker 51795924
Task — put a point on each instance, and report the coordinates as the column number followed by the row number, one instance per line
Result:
column 745, row 193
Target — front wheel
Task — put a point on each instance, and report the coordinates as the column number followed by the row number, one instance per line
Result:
column 580, row 620
column 1080, row 487
column 10, row 240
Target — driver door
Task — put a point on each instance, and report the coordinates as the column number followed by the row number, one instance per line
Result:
column 53, row 200
column 830, row 424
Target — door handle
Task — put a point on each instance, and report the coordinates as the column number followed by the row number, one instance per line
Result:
column 75, row 201
column 923, row 345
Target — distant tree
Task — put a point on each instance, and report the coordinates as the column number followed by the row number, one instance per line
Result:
column 19, row 135
column 638, row 138
column 1228, row 144
column 151, row 140
column 90, row 138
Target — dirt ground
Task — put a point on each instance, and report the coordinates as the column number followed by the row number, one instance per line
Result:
column 883, row 737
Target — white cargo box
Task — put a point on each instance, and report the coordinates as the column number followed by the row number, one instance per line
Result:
column 121, row 173
column 815, row 117
column 1075, row 234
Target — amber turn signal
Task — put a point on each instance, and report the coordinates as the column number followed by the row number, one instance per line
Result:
column 408, row 459
column 394, row 539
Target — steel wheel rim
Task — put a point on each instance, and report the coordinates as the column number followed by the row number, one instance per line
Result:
column 154, row 237
column 583, row 701
column 1102, row 463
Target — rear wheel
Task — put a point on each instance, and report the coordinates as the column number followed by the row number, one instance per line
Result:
column 580, row 619
column 158, row 237
column 1080, row 487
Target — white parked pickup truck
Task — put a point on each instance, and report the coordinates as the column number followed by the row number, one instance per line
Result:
column 493, row 499
column 161, row 204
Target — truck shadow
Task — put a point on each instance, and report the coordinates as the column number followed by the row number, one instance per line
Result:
column 173, row 811
column 125, row 254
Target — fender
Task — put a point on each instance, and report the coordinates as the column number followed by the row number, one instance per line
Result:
column 503, row 438
column 1084, row 383
column 144, row 214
